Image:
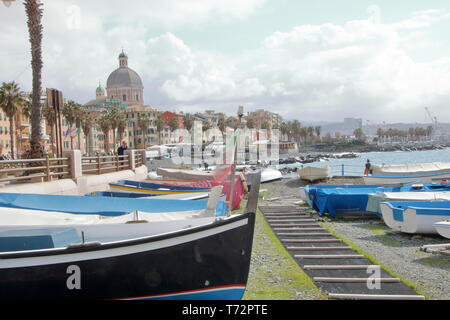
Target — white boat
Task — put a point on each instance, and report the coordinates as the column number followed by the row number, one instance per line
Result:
column 416, row 168
column 443, row 228
column 314, row 173
column 269, row 175
column 403, row 173
column 373, row 204
column 415, row 217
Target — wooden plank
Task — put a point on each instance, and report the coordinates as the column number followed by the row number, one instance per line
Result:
column 338, row 267
column 319, row 248
column 293, row 224
column 296, row 234
column 253, row 196
column 290, row 221
column 311, row 240
column 299, row 229
column 329, row 256
column 356, row 280
column 374, row 296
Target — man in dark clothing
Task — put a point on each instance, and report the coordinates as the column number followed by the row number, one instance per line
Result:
column 368, row 169
column 121, row 150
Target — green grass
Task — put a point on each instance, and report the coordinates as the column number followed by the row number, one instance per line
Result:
column 436, row 261
column 376, row 229
column 292, row 278
column 374, row 261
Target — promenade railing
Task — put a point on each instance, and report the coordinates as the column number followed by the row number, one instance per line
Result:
column 105, row 164
column 35, row 170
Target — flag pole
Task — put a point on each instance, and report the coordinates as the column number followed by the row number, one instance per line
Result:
column 234, row 161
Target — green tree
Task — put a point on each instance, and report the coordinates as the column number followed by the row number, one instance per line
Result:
column 11, row 101
column 34, row 11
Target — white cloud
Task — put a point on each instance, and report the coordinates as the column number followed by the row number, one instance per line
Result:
column 324, row 72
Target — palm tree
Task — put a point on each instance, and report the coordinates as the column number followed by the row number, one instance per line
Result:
column 50, row 116
column 86, row 125
column 11, row 101
column 104, row 122
column 79, row 113
column 188, row 121
column 34, row 13
column 69, row 113
column 143, row 123
column 159, row 123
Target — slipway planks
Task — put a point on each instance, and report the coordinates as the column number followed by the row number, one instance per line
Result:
column 335, row 267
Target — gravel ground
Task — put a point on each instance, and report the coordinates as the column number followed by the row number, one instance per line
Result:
column 397, row 251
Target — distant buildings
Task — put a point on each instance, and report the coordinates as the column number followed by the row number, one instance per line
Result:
column 263, row 119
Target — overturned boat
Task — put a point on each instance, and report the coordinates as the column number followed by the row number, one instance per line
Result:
column 312, row 174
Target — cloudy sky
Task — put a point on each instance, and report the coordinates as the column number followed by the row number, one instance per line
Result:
column 308, row 60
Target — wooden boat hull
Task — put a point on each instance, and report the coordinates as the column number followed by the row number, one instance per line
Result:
column 204, row 262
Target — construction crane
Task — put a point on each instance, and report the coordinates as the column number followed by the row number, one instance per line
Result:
column 433, row 119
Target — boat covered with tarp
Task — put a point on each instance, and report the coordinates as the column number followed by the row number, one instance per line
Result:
column 349, row 199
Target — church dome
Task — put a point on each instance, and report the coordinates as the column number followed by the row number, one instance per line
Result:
column 124, row 77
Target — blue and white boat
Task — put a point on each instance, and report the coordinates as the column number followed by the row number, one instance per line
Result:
column 373, row 204
column 104, row 206
column 71, row 247
column 415, row 216
column 153, row 188
column 404, row 173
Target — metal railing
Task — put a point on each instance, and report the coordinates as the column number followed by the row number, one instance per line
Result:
column 44, row 169
column 104, row 164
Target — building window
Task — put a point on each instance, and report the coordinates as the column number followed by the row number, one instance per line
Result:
column 137, row 97
column 124, row 97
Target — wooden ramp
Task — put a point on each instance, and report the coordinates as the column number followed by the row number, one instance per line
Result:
column 334, row 267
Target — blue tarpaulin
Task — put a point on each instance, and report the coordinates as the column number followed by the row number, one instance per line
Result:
column 333, row 199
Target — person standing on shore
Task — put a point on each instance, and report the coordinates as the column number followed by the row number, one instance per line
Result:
column 368, row 169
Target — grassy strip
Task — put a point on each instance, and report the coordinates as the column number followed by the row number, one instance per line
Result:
column 373, row 260
column 292, row 278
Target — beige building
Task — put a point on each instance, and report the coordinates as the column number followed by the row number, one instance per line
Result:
column 262, row 118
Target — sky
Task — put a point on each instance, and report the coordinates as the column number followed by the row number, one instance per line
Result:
column 307, row 60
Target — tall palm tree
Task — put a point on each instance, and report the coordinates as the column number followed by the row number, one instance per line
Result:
column 50, row 116
column 159, row 123
column 86, row 125
column 34, row 13
column 104, row 122
column 69, row 112
column 143, row 123
column 11, row 101
column 79, row 113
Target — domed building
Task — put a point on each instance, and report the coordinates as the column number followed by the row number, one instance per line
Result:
column 125, row 84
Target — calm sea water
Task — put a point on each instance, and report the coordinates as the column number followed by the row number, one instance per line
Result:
column 356, row 166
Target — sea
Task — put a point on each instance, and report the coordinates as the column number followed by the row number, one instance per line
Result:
column 355, row 166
